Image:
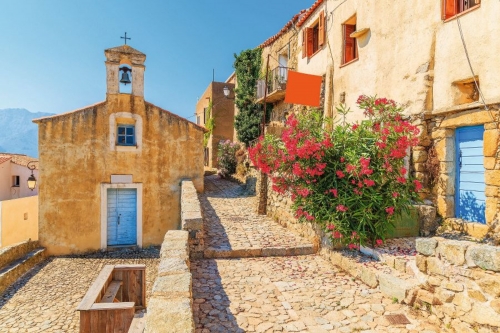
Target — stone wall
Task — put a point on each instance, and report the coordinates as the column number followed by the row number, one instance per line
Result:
column 170, row 305
column 191, row 218
column 16, row 251
column 462, row 281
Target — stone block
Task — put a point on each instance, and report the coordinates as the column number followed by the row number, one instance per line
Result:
column 495, row 305
column 173, row 286
column 449, row 310
column 491, row 191
column 462, row 301
column 484, row 256
column 435, row 266
column 427, row 219
column 490, row 126
column 466, row 118
column 434, row 281
column 490, row 285
column 166, row 252
column 453, row 251
column 446, row 184
column 447, row 167
column 176, row 234
column 427, row 297
column 369, row 277
column 419, row 156
column 477, row 295
column 489, row 163
column 191, row 221
column 445, row 149
column 491, row 208
column 492, row 177
column 454, row 286
column 419, row 167
column 440, row 133
column 169, row 315
column 426, row 246
column 445, row 296
column 490, row 145
column 393, row 287
column 446, row 205
column 482, row 315
column 476, row 230
column 421, row 262
column 170, row 266
column 400, row 264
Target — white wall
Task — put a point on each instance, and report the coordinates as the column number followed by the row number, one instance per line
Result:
column 7, row 192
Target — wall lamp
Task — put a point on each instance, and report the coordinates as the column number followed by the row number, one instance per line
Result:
column 31, row 180
column 226, row 92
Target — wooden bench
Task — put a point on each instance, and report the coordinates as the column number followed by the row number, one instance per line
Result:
column 111, row 301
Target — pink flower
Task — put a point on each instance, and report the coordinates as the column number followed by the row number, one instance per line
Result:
column 334, row 192
column 379, row 242
column 390, row 210
column 337, row 234
column 354, row 127
column 331, row 227
column 352, row 246
column 342, row 160
column 418, row 185
column 342, row 208
column 340, row 174
column 395, row 194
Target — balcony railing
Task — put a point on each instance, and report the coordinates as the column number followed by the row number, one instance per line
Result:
column 276, row 85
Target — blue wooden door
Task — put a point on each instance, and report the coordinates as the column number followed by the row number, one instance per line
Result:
column 122, row 216
column 470, row 200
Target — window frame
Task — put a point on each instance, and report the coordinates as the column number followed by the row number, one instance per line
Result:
column 125, row 135
column 345, row 37
column 454, row 6
column 16, row 181
column 314, row 37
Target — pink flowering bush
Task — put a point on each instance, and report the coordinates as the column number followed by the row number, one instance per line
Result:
column 226, row 157
column 351, row 179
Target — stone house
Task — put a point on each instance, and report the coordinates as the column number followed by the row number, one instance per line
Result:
column 110, row 173
column 14, row 174
column 222, row 113
column 427, row 71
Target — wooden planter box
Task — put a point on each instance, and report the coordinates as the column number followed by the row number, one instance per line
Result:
column 406, row 225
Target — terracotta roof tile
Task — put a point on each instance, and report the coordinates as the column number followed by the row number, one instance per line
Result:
column 309, row 12
column 4, row 159
column 18, row 159
column 287, row 26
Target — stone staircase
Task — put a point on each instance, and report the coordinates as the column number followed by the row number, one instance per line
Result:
column 16, row 260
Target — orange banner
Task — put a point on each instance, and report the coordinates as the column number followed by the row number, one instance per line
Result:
column 303, row 89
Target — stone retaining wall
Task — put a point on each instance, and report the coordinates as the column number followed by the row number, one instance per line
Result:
column 171, row 303
column 16, row 251
column 462, row 280
column 191, row 218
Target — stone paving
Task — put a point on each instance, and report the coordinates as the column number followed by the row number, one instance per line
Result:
column 233, row 229
column 279, row 293
column 46, row 298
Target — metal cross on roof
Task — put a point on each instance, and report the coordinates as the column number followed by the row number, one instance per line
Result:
column 126, row 38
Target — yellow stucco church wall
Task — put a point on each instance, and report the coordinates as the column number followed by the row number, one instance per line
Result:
column 76, row 158
column 18, row 220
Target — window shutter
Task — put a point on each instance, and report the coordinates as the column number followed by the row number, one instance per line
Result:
column 310, row 41
column 349, row 43
column 304, row 33
column 321, row 29
column 449, row 8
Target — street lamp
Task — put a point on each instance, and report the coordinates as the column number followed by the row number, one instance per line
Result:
column 226, row 92
column 31, row 180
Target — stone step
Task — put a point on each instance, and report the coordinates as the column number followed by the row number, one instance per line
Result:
column 13, row 252
column 13, row 271
column 138, row 323
column 251, row 252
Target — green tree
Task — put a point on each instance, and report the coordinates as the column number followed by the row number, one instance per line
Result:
column 247, row 66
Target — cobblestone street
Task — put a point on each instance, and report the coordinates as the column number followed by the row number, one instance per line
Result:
column 45, row 299
column 276, row 293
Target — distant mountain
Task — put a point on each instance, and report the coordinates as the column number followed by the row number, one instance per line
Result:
column 18, row 134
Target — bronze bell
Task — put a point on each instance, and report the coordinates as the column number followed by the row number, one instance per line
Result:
column 125, row 76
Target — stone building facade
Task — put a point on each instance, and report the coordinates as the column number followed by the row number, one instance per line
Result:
column 374, row 48
column 110, row 173
column 222, row 112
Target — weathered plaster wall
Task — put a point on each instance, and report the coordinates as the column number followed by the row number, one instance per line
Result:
column 5, row 181
column 18, row 220
column 478, row 26
column 75, row 158
column 394, row 57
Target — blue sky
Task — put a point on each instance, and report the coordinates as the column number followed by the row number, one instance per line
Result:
column 52, row 51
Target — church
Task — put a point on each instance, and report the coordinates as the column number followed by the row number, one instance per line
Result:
column 110, row 172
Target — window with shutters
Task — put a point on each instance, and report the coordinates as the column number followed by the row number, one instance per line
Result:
column 350, row 49
column 455, row 7
column 313, row 37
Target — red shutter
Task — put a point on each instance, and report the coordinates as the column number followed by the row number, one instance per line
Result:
column 350, row 47
column 449, row 8
column 321, row 29
column 310, row 41
column 304, row 43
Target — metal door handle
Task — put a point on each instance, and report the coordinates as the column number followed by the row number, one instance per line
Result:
column 119, row 218
column 460, row 161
